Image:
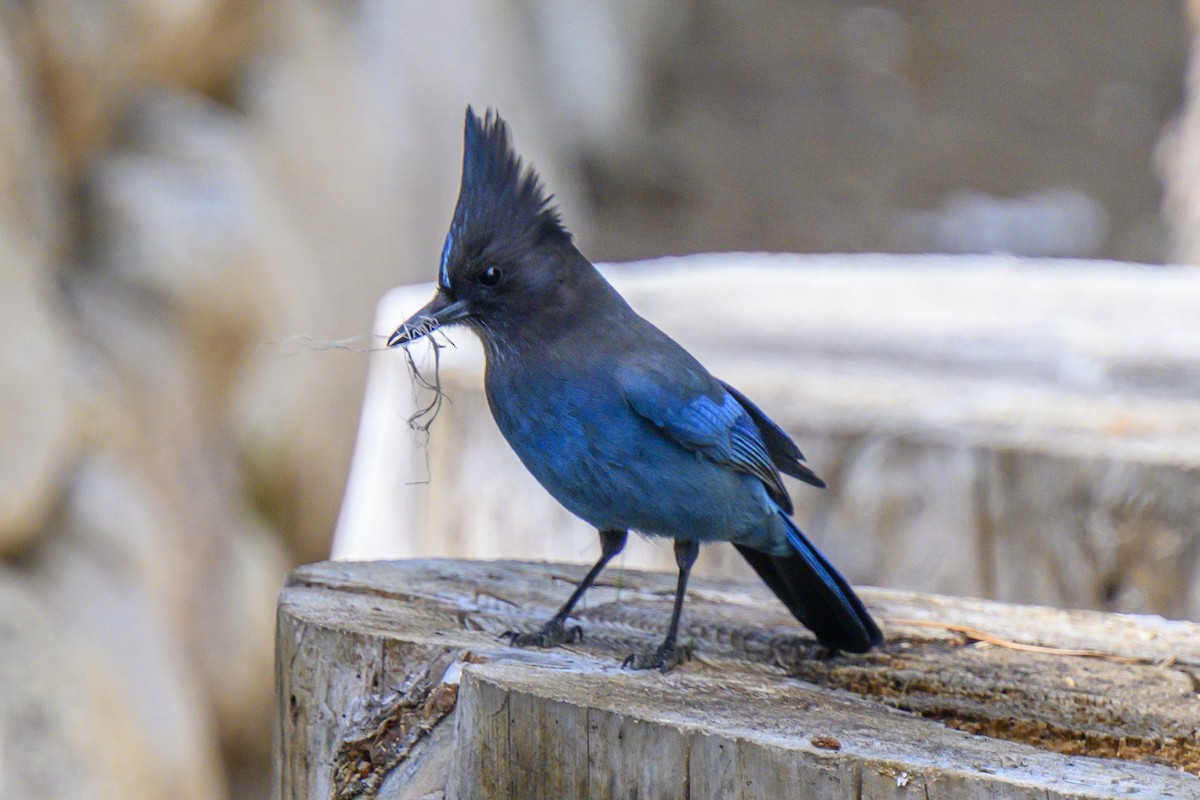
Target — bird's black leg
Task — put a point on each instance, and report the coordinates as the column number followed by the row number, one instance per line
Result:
column 555, row 631
column 668, row 654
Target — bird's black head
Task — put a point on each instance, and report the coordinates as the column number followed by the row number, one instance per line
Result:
column 507, row 250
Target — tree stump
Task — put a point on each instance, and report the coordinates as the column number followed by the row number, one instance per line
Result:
column 393, row 682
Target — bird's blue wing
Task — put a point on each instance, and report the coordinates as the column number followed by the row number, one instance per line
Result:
column 785, row 455
column 705, row 419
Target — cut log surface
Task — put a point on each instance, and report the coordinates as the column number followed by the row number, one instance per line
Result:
column 393, row 681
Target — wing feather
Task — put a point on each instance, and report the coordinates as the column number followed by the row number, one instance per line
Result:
column 785, row 455
column 717, row 428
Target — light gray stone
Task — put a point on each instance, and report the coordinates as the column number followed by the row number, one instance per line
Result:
column 202, row 559
column 37, row 408
column 65, row 729
column 30, row 194
column 1178, row 161
column 109, row 576
column 183, row 211
column 233, row 630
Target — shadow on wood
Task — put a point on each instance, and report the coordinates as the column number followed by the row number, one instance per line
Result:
column 392, row 681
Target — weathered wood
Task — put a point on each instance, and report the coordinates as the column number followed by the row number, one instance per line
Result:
column 392, row 678
column 1022, row 430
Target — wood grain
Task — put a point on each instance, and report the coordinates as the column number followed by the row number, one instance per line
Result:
column 392, row 669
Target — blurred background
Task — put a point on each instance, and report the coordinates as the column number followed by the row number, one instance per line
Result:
column 197, row 197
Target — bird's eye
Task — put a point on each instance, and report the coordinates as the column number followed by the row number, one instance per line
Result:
column 490, row 276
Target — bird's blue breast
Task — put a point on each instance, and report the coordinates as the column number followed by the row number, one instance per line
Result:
column 615, row 470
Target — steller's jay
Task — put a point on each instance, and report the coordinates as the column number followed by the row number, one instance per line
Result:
column 619, row 423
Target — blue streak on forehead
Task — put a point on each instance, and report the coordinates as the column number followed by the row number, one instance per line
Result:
column 455, row 235
column 444, row 272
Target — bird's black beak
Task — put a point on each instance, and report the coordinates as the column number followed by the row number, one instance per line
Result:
column 440, row 311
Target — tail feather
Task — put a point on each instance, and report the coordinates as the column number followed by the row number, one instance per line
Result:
column 816, row 594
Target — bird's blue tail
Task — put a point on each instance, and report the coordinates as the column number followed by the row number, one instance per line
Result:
column 816, row 593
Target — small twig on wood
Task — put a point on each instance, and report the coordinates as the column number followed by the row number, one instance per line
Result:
column 982, row 636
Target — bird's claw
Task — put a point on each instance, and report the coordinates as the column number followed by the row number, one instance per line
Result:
column 552, row 634
column 664, row 659
column 826, row 653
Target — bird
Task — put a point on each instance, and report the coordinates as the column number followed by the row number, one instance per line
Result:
column 620, row 424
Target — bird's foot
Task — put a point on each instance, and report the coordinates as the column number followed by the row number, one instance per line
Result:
column 552, row 634
column 664, row 659
column 824, row 652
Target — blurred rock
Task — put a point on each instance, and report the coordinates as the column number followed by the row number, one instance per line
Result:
column 64, row 729
column 37, row 432
column 822, row 126
column 1178, row 160
column 110, row 576
column 162, row 320
column 215, row 568
column 592, row 66
column 36, row 408
column 181, row 236
column 231, row 629
column 183, row 211
column 96, row 57
column 30, row 196
column 1050, row 224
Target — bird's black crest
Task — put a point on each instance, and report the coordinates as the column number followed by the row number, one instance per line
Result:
column 502, row 202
